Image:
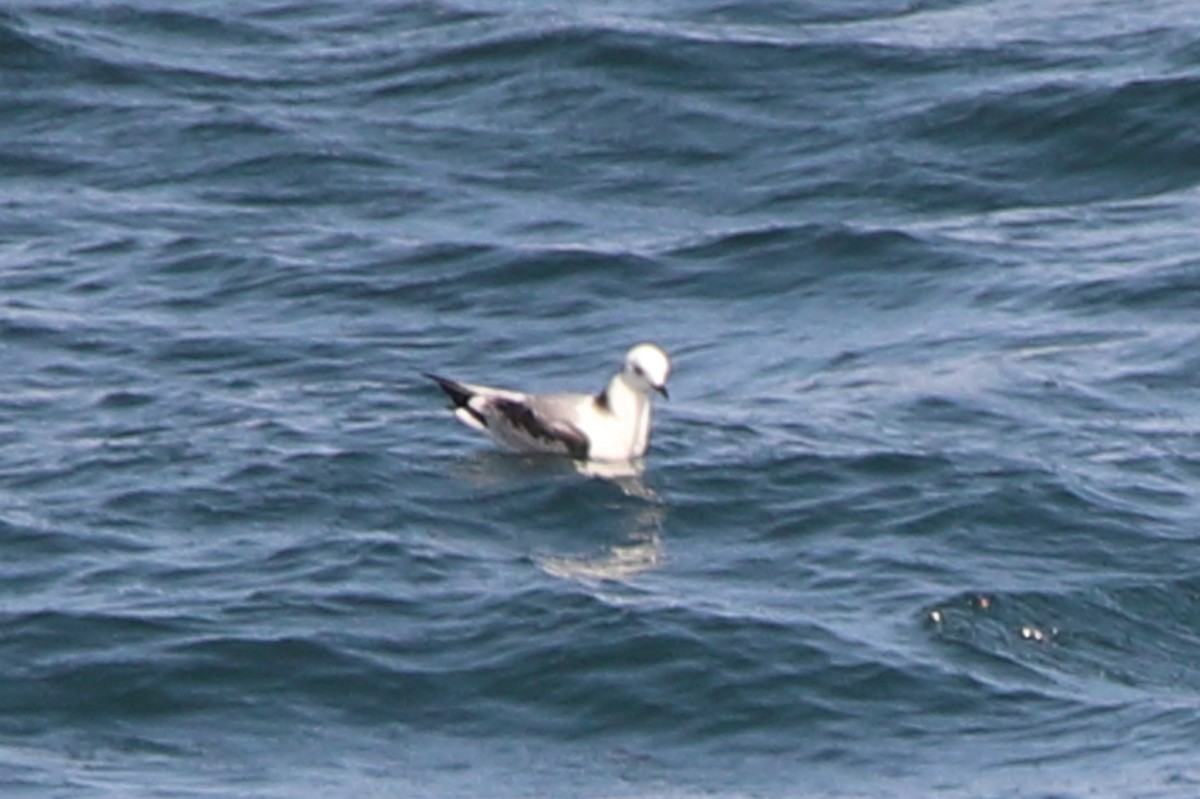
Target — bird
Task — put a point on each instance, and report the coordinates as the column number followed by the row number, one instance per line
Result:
column 613, row 425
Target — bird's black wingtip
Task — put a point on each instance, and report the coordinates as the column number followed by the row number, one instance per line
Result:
column 455, row 391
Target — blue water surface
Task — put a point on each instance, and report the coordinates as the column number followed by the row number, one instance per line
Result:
column 919, row 519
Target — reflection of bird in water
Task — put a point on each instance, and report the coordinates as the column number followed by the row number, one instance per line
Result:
column 642, row 551
column 642, row 547
column 626, row 475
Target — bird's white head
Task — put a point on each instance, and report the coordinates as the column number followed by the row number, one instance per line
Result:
column 647, row 368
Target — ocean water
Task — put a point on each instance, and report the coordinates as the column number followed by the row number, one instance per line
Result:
column 920, row 519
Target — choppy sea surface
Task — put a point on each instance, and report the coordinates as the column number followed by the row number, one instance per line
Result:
column 920, row 520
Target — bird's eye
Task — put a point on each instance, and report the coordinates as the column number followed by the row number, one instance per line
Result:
column 637, row 370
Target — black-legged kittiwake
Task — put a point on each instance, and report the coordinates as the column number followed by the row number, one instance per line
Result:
column 613, row 425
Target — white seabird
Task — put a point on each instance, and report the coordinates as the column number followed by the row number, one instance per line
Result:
column 613, row 425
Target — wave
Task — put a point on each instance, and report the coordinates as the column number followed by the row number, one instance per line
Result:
column 1057, row 142
column 796, row 260
column 1120, row 641
column 1144, row 288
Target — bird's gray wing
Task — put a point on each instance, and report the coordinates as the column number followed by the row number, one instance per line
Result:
column 544, row 421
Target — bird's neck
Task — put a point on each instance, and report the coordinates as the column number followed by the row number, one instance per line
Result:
column 630, row 410
column 621, row 399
